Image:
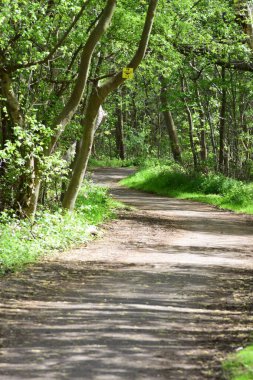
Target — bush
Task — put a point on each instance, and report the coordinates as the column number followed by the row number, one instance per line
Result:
column 22, row 242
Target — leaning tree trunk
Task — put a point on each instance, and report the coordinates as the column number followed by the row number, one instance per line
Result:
column 79, row 170
column 97, row 97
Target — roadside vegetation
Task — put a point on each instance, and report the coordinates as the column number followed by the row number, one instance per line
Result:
column 175, row 181
column 23, row 241
column 240, row 365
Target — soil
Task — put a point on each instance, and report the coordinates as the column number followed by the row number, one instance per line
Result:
column 166, row 293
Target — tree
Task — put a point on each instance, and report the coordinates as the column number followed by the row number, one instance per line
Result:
column 172, row 131
column 30, row 180
column 97, row 97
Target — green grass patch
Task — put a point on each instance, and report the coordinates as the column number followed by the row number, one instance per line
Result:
column 131, row 162
column 112, row 163
column 22, row 242
column 174, row 181
column 239, row 366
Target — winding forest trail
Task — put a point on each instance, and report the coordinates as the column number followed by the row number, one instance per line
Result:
column 166, row 293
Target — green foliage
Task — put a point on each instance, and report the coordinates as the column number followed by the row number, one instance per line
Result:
column 22, row 242
column 177, row 182
column 187, row 40
column 113, row 163
column 27, row 146
column 239, row 366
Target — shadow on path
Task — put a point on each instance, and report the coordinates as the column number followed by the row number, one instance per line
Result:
column 99, row 321
column 164, row 295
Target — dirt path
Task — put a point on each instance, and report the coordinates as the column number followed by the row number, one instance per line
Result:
column 165, row 294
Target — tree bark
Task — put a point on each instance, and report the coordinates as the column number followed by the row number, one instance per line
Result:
column 203, row 146
column 191, row 127
column 222, row 131
column 202, row 139
column 97, row 97
column 84, row 153
column 170, row 125
column 119, row 130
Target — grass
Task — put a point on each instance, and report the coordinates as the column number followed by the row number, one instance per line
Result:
column 136, row 162
column 239, row 366
column 22, row 242
column 174, row 181
column 112, row 163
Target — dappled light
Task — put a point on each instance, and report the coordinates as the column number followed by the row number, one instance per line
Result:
column 126, row 189
column 114, row 321
column 166, row 293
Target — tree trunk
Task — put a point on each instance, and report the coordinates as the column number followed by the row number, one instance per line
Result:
column 119, row 128
column 191, row 126
column 97, row 97
column 174, row 143
column 222, row 123
column 212, row 137
column 202, row 134
column 89, row 124
column 191, row 137
column 203, row 146
column 170, row 125
column 29, row 188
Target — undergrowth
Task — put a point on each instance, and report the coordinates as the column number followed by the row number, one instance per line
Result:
column 112, row 163
column 175, row 181
column 118, row 163
column 239, row 366
column 22, row 242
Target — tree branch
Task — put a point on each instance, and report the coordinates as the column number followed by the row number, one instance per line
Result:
column 116, row 81
column 233, row 64
column 12, row 68
column 68, row 111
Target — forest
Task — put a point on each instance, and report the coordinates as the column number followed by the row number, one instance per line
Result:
column 62, row 88
column 164, row 86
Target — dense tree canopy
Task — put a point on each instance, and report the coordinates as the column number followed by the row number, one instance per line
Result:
column 61, row 70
